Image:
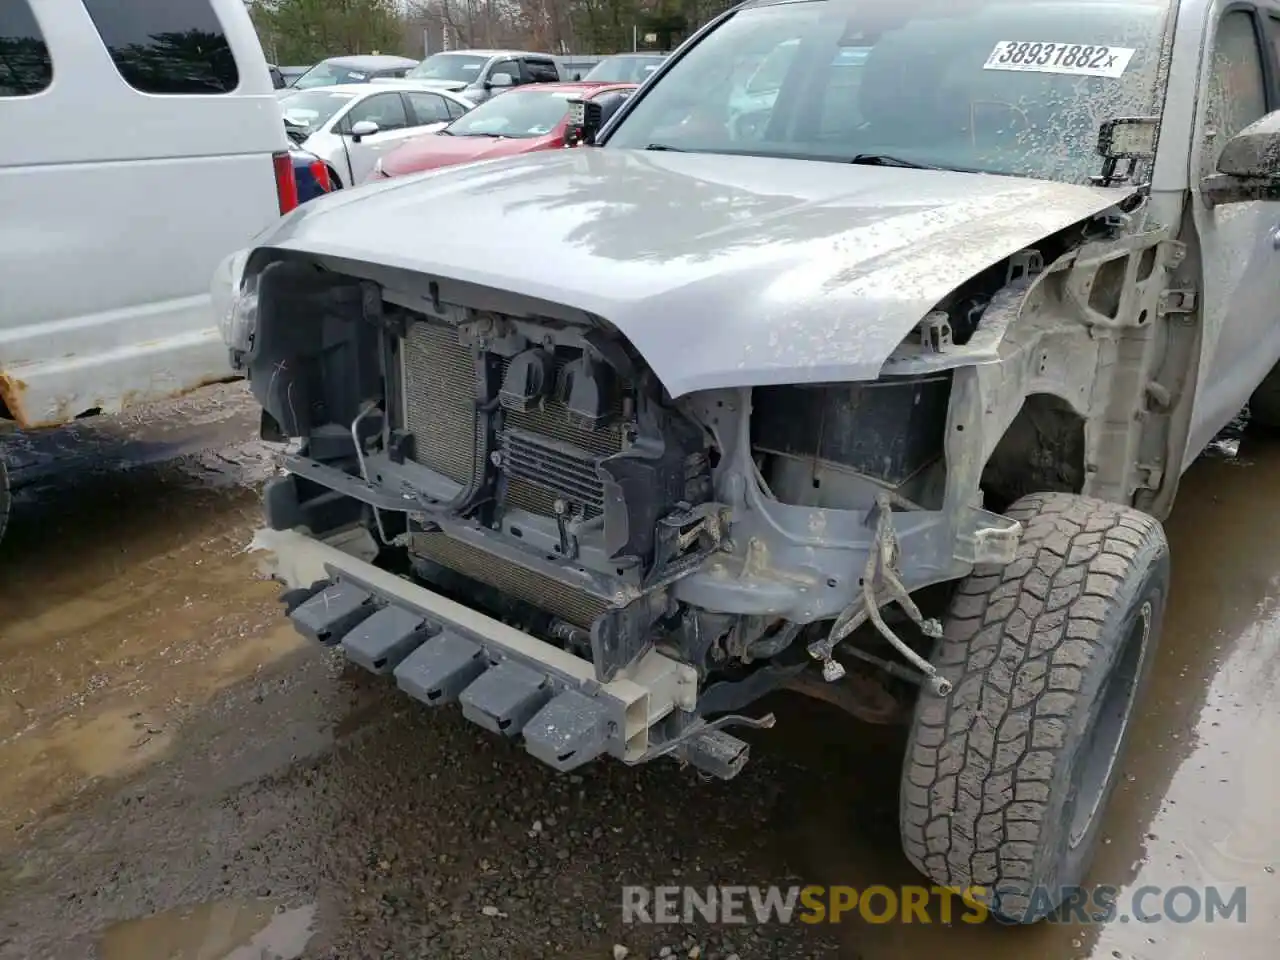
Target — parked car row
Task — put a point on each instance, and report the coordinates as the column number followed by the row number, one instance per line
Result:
column 471, row 70
column 392, row 128
column 344, row 133
column 519, row 121
column 350, row 126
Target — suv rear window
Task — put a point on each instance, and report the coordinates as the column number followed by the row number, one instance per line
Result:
column 166, row 46
column 25, row 65
column 542, row 71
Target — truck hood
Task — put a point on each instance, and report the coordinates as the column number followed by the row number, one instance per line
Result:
column 450, row 85
column 722, row 271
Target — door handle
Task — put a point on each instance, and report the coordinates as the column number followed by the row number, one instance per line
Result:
column 1275, row 238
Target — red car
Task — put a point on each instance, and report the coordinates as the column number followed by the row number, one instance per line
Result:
column 522, row 120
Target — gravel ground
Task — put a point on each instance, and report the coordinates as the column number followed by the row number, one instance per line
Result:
column 184, row 778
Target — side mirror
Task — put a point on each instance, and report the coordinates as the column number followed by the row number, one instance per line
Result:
column 500, row 80
column 1249, row 165
column 610, row 106
column 362, row 129
column 585, row 119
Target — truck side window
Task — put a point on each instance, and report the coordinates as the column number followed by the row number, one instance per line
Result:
column 25, row 65
column 166, row 46
column 541, row 71
column 428, row 107
column 510, row 68
column 1237, row 93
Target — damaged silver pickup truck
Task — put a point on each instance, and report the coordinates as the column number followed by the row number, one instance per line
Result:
column 874, row 388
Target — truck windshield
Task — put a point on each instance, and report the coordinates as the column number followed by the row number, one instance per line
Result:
column 327, row 74
column 519, row 113
column 449, row 67
column 998, row 86
column 312, row 109
column 624, row 69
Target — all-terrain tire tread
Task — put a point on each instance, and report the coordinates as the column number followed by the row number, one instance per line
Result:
column 976, row 781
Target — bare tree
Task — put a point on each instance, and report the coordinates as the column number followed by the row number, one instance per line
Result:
column 302, row 29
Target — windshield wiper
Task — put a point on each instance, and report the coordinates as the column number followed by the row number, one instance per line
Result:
column 666, row 147
column 885, row 160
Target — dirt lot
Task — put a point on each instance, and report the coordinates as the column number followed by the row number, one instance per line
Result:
column 183, row 778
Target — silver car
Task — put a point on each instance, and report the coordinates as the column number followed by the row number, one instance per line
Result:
column 479, row 74
column 880, row 396
column 352, row 126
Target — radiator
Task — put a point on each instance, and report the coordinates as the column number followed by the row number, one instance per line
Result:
column 546, row 456
column 439, row 380
column 575, row 606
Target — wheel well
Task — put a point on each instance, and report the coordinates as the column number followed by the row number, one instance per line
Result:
column 1041, row 452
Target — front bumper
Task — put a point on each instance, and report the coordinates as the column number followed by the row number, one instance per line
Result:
column 509, row 682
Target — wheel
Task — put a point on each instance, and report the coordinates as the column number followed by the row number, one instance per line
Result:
column 1005, row 777
column 1264, row 403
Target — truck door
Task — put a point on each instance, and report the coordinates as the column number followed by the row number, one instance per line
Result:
column 1240, row 242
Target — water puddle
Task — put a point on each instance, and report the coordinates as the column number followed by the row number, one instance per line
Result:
column 56, row 760
column 222, row 930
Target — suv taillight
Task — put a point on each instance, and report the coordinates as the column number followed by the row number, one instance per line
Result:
column 286, row 185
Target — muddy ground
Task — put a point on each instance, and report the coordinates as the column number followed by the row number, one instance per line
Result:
column 182, row 779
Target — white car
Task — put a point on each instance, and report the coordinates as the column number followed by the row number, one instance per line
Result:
column 349, row 126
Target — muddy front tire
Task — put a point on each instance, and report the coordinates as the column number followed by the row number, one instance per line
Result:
column 1005, row 777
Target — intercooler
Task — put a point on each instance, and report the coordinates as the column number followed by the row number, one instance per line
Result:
column 545, row 457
